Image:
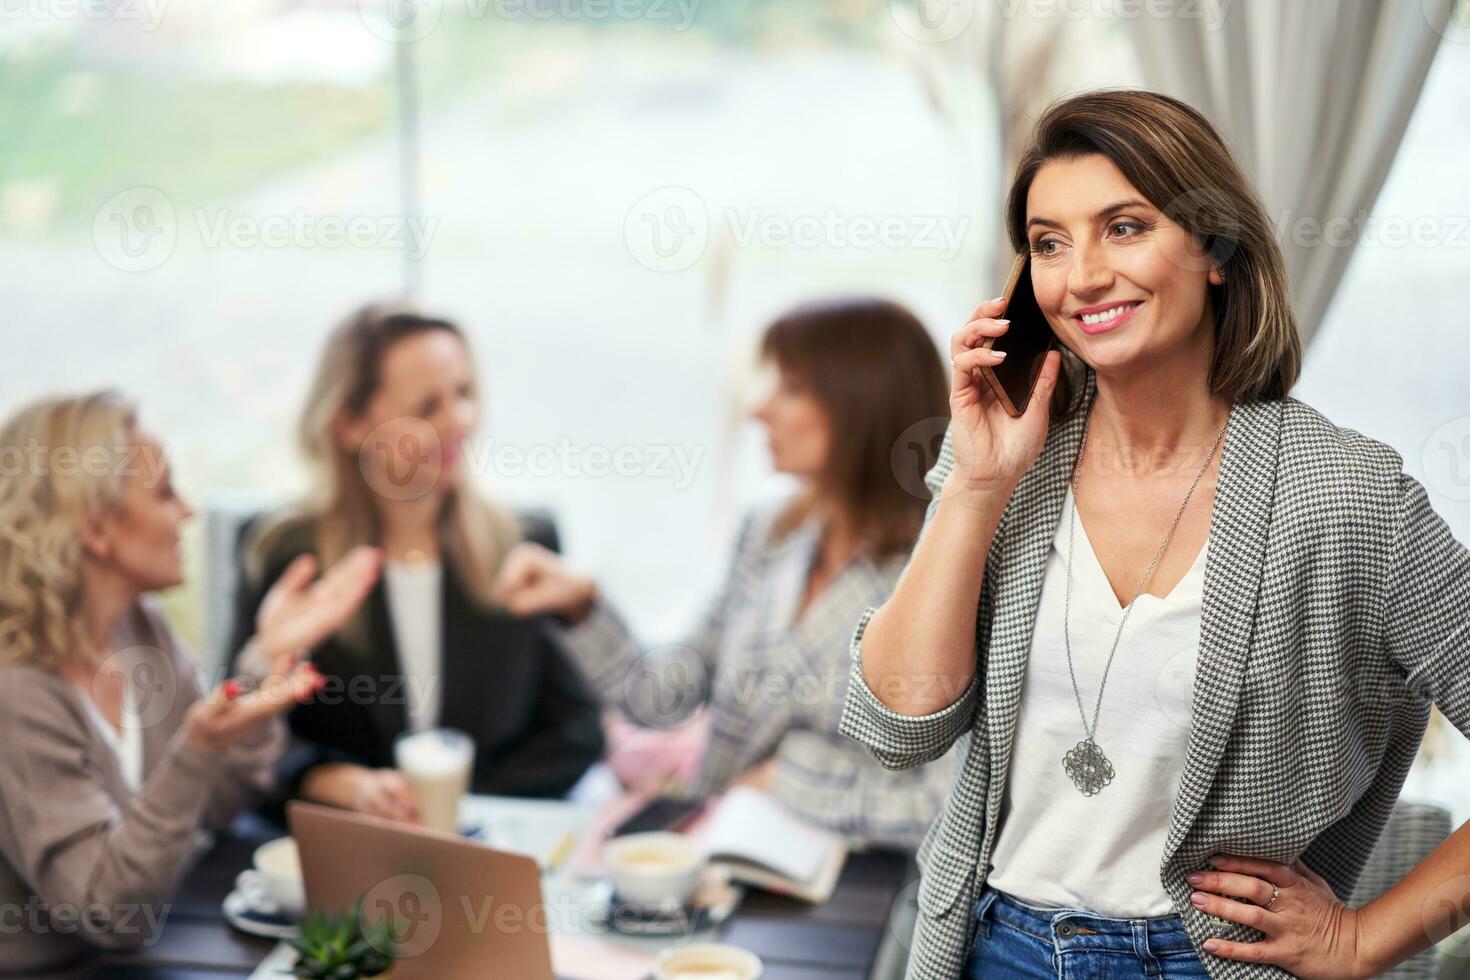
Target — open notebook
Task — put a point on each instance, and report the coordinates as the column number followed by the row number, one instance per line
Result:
column 758, row 842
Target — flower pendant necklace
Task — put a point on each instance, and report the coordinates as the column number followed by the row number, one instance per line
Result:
column 1085, row 762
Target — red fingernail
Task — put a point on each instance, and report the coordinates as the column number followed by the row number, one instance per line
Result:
column 232, row 690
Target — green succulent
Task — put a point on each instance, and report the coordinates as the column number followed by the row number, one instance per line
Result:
column 341, row 946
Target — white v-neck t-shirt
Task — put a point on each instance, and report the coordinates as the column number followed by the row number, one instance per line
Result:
column 1054, row 846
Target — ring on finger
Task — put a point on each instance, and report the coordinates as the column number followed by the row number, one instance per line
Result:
column 1275, row 894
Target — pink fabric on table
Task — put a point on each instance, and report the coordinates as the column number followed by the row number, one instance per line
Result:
column 650, row 760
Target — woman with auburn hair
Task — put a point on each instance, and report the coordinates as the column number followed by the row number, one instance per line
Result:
column 1180, row 750
column 851, row 379
column 113, row 759
column 383, row 430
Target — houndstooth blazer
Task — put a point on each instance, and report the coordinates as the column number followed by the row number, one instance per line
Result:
column 1336, row 609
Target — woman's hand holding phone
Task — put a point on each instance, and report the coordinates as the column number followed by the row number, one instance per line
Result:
column 926, row 630
column 992, row 450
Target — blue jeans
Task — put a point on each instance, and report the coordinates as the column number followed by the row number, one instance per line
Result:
column 1014, row 940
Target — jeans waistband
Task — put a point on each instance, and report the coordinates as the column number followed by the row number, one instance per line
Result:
column 1076, row 929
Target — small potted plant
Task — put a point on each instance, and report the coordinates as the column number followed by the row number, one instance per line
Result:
column 341, row 946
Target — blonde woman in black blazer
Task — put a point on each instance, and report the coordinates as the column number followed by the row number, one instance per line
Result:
column 393, row 405
column 1335, row 606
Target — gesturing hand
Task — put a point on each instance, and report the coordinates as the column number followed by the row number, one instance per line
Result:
column 298, row 613
column 1308, row 931
column 534, row 580
column 229, row 714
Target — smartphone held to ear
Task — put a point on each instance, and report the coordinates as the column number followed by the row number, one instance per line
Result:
column 1026, row 342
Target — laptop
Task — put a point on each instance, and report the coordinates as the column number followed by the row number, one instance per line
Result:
column 464, row 911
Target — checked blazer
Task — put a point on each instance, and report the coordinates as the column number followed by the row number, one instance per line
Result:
column 1336, row 609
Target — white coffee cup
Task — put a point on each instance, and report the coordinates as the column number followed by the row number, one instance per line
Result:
column 658, row 869
column 437, row 765
column 707, row 961
column 277, row 875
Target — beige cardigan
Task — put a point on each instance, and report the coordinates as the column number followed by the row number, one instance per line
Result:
column 84, row 863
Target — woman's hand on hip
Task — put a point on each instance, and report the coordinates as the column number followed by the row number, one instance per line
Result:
column 1309, row 932
column 991, row 448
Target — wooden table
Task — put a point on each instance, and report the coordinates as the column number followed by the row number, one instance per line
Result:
column 836, row 941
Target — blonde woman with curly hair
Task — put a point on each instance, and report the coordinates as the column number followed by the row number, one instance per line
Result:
column 113, row 756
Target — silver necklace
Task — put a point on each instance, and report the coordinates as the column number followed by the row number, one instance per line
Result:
column 1085, row 762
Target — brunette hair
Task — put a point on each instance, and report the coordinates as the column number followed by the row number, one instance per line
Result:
column 878, row 374
column 1169, row 151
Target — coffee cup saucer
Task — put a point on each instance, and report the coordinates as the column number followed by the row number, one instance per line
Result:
column 249, row 909
column 711, row 905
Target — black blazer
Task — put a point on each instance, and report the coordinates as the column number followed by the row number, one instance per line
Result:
column 537, row 726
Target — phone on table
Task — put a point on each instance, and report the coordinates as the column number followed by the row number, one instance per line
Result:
column 659, row 813
column 1026, row 342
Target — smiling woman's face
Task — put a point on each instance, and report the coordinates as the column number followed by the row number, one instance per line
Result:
column 1119, row 281
column 410, row 440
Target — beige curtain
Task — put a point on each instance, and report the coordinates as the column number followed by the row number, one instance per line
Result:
column 1312, row 95
column 1314, row 99
column 993, row 70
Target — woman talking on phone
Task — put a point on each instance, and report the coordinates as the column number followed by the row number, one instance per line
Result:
column 1187, row 630
column 111, row 758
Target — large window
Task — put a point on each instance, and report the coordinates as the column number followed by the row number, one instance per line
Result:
column 614, row 199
